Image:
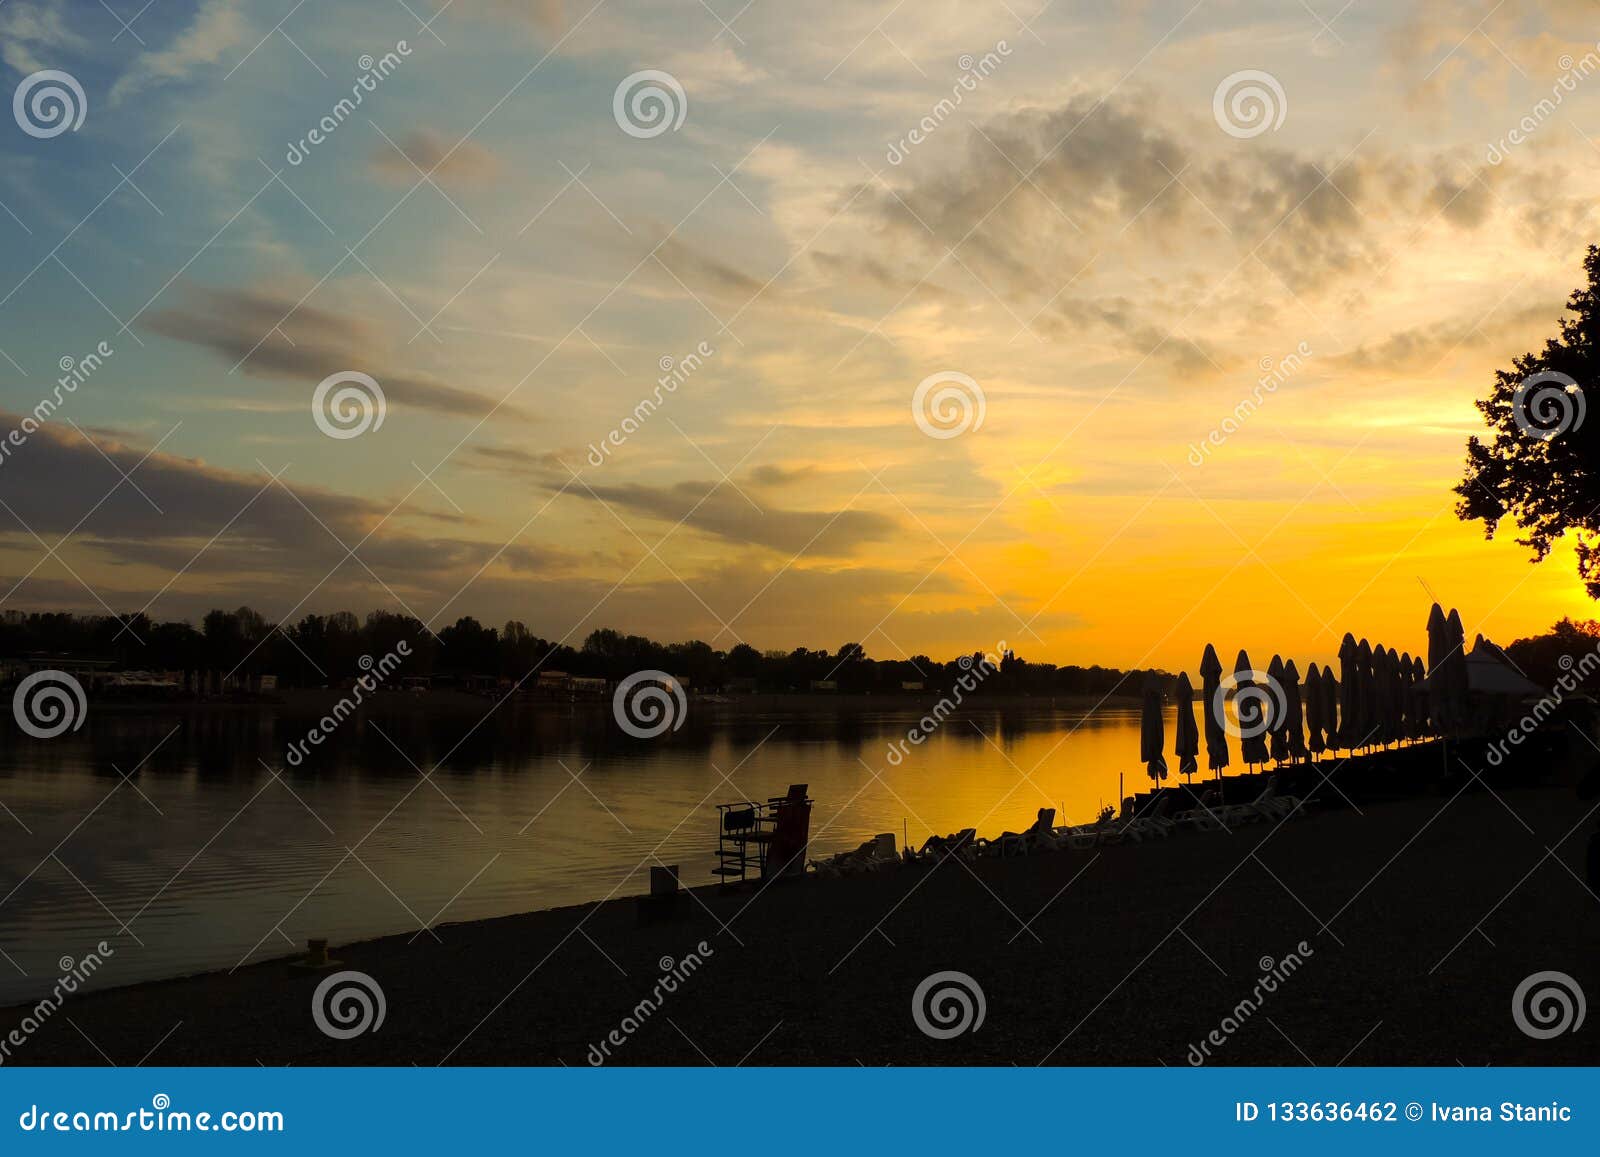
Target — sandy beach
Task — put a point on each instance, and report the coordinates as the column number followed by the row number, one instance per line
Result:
column 1418, row 919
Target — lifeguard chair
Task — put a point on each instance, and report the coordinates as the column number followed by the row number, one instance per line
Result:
column 763, row 838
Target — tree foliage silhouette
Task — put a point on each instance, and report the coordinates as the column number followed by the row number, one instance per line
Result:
column 1540, row 464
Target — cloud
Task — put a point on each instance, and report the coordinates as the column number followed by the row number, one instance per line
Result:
column 727, row 514
column 29, row 30
column 269, row 334
column 547, row 16
column 218, row 27
column 776, row 476
column 1033, row 195
column 1423, row 348
column 219, row 527
column 699, row 270
column 511, row 460
column 430, row 152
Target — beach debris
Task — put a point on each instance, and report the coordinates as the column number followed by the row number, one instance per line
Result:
column 316, row 958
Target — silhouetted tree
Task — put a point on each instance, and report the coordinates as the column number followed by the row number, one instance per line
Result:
column 1541, row 464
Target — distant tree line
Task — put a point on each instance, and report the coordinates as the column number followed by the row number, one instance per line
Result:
column 328, row 649
column 1548, row 657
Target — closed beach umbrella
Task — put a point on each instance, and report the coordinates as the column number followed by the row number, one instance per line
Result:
column 1152, row 730
column 1366, row 696
column 1211, row 697
column 1187, row 746
column 1419, row 699
column 1330, row 706
column 1403, row 696
column 1313, row 705
column 1293, row 725
column 1456, row 663
column 1383, row 695
column 1349, row 679
column 1276, row 719
column 1252, row 719
column 1438, row 647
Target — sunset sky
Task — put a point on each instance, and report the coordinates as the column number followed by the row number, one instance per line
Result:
column 1078, row 235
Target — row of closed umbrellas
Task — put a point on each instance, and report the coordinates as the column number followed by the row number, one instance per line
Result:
column 1381, row 696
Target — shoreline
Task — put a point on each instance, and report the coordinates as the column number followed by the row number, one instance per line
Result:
column 444, row 702
column 1388, row 894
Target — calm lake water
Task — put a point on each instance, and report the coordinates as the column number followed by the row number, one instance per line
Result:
column 167, row 836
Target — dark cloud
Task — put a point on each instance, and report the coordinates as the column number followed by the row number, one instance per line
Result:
column 728, row 515
column 1038, row 194
column 704, row 273
column 776, row 475
column 186, row 515
column 271, row 336
column 1124, row 318
column 510, row 459
column 1423, row 347
column 436, row 155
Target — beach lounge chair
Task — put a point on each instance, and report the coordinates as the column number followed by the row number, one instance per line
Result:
column 873, row 855
column 1208, row 815
column 1083, row 836
column 1041, row 836
column 1154, row 824
column 1269, row 806
column 956, row 844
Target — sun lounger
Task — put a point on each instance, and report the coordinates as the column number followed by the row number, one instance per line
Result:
column 1083, row 836
column 873, row 855
column 941, row 847
column 1040, row 837
column 1269, row 806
